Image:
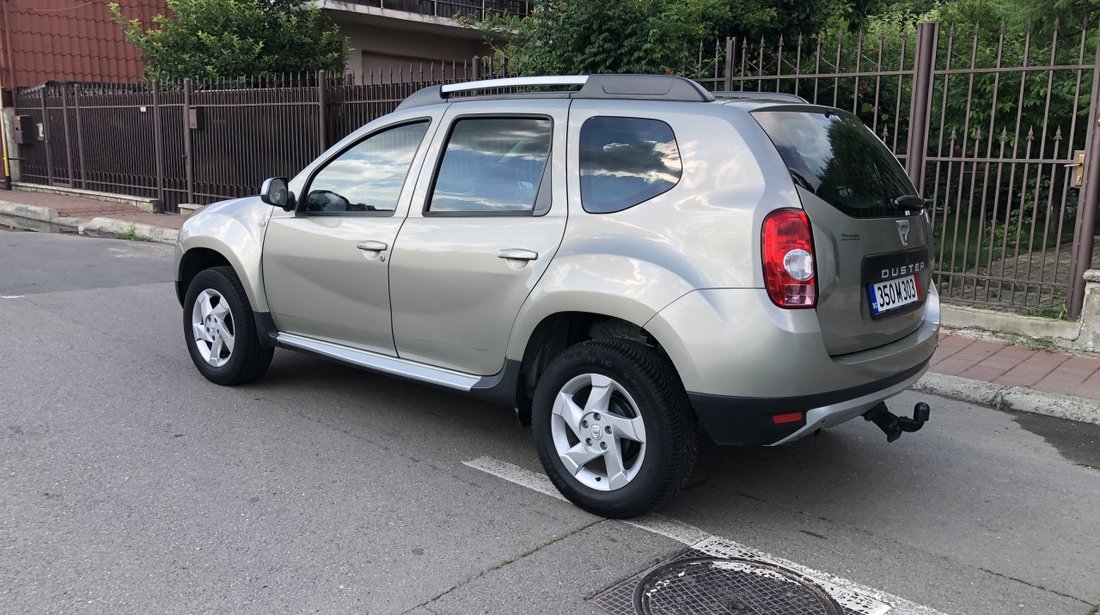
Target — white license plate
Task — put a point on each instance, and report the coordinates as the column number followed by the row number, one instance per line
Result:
column 893, row 294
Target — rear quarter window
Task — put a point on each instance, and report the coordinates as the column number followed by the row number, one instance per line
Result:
column 838, row 159
column 625, row 161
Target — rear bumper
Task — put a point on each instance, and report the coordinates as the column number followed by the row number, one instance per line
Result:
column 743, row 361
column 746, row 421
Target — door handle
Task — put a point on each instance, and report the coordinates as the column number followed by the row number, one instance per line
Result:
column 1078, row 166
column 517, row 254
column 372, row 246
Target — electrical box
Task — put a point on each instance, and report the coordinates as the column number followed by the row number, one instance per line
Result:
column 26, row 130
column 194, row 118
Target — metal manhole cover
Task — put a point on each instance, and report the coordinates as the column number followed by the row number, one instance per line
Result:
column 711, row 585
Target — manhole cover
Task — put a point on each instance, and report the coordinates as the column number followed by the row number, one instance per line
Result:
column 710, row 585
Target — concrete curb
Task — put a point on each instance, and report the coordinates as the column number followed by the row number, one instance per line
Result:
column 1001, row 397
column 31, row 212
column 110, row 226
column 134, row 230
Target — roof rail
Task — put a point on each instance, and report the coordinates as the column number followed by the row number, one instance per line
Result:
column 514, row 82
column 776, row 96
column 621, row 87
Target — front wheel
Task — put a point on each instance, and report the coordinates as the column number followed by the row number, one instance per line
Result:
column 220, row 329
column 613, row 428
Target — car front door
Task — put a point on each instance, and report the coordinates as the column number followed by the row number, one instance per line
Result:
column 326, row 265
column 483, row 226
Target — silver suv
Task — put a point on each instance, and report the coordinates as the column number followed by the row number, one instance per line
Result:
column 624, row 259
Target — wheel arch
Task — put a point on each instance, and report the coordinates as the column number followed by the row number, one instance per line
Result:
column 194, row 261
column 560, row 330
column 226, row 233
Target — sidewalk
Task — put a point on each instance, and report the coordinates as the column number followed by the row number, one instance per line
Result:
column 1016, row 366
column 1008, row 376
column 98, row 216
column 995, row 374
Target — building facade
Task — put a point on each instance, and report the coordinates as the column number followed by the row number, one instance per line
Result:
column 390, row 37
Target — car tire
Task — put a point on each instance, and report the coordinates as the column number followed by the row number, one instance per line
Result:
column 220, row 329
column 613, row 427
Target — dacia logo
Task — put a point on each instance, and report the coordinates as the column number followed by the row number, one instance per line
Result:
column 903, row 231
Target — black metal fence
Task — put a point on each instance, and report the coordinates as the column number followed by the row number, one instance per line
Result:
column 197, row 142
column 997, row 132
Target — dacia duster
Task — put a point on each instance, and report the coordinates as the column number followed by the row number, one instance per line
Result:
column 624, row 259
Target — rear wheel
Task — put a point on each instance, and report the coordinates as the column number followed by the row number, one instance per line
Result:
column 220, row 329
column 613, row 428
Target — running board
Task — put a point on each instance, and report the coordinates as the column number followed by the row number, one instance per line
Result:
column 382, row 363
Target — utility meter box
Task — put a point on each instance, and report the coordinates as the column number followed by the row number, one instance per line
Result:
column 26, row 130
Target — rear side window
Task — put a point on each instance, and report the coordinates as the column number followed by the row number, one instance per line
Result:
column 492, row 166
column 626, row 161
column 837, row 158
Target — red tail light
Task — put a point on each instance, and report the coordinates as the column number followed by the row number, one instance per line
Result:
column 787, row 418
column 787, row 248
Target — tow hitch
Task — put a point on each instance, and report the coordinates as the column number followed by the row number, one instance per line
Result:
column 892, row 425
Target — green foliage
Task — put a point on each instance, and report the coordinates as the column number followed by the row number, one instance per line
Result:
column 650, row 36
column 601, row 36
column 232, row 38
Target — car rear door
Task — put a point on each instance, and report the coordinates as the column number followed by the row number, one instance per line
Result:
column 486, row 218
column 872, row 242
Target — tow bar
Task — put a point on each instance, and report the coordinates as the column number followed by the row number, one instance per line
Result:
column 893, row 425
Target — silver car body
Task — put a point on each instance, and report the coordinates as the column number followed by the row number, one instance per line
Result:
column 439, row 303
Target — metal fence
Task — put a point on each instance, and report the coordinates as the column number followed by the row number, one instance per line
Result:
column 996, row 131
column 197, row 142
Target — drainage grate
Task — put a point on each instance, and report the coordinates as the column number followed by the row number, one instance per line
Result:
column 695, row 581
column 711, row 585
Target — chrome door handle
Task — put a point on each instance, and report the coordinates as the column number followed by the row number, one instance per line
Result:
column 372, row 246
column 517, row 254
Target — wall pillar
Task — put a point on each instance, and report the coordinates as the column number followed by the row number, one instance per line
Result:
column 1090, row 313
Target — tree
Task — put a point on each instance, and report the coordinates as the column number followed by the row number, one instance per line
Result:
column 234, row 38
column 600, row 36
column 594, row 36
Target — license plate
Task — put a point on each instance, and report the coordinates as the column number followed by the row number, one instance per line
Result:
column 893, row 294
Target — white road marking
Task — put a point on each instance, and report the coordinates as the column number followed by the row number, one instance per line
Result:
column 11, row 296
column 851, row 595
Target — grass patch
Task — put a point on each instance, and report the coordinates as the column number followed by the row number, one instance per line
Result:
column 131, row 234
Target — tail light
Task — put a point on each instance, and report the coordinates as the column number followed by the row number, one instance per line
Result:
column 787, row 248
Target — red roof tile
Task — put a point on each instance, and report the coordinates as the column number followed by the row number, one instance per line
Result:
column 69, row 40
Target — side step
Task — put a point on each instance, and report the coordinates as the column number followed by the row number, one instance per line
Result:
column 893, row 425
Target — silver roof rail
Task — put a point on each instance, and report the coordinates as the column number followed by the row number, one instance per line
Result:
column 622, row 87
column 772, row 96
column 514, row 82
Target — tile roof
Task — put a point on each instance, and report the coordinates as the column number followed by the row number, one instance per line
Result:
column 70, row 40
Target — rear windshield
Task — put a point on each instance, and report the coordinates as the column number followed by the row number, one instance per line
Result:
column 837, row 158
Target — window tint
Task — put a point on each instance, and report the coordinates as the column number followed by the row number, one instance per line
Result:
column 492, row 165
column 369, row 176
column 838, row 159
column 626, row 161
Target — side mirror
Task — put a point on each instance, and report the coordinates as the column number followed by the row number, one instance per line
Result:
column 274, row 192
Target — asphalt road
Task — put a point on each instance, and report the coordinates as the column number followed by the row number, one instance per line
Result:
column 129, row 484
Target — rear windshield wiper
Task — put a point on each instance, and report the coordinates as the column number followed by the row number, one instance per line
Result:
column 909, row 202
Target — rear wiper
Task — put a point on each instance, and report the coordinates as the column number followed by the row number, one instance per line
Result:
column 909, row 202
